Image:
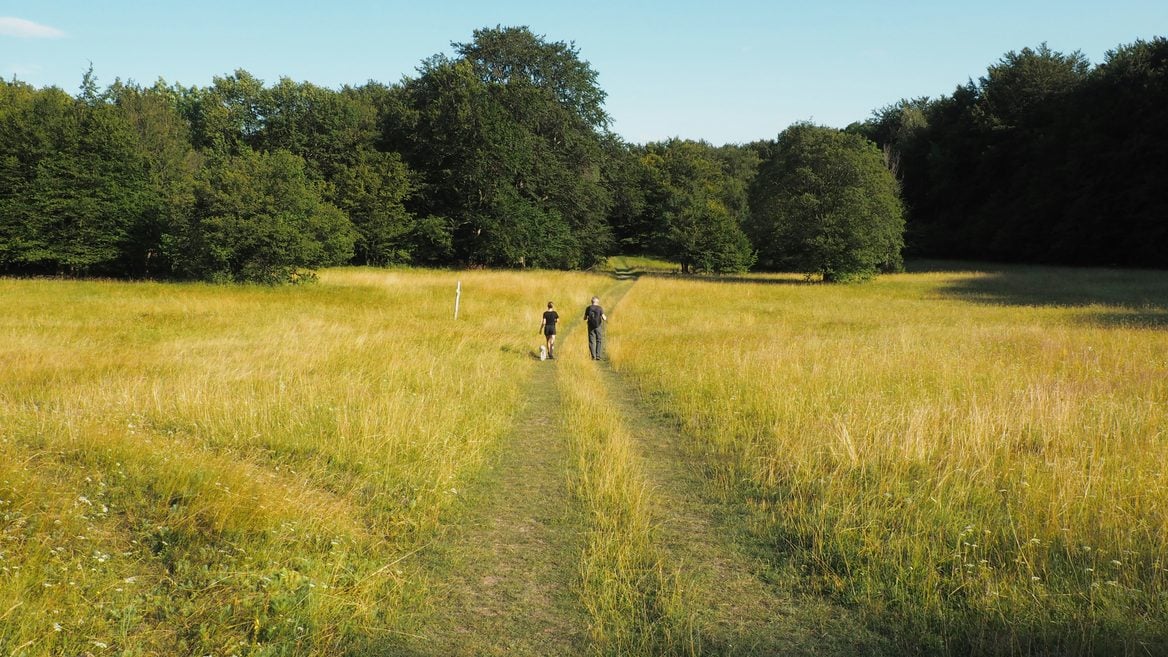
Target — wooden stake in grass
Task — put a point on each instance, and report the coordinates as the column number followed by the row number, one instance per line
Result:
column 457, row 298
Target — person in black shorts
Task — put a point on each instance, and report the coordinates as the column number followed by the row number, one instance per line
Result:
column 548, row 326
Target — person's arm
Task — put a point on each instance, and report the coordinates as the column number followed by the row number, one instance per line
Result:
column 542, row 322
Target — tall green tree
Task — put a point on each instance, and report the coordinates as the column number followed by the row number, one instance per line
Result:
column 328, row 129
column 164, row 142
column 372, row 191
column 697, row 205
column 76, row 184
column 227, row 117
column 259, row 218
column 1043, row 159
column 515, row 55
column 825, row 204
column 507, row 138
column 1111, row 168
column 897, row 129
column 1015, row 90
column 626, row 178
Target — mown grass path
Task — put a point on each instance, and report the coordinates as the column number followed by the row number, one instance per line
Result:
column 740, row 607
column 504, row 582
column 506, row 579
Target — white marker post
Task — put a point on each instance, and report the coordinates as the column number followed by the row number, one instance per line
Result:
column 457, row 297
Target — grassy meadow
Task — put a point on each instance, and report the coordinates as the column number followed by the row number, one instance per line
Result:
column 971, row 461
column 975, row 460
column 193, row 469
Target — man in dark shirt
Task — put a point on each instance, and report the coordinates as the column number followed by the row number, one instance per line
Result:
column 596, row 318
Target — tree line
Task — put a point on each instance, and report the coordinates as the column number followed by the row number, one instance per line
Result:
column 1044, row 159
column 502, row 155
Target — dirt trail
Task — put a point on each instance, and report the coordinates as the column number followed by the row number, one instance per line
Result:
column 507, row 576
column 505, row 580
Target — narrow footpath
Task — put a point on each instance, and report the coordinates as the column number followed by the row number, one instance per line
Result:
column 505, row 580
column 740, row 609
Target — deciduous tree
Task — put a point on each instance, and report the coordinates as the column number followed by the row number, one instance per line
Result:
column 825, row 204
column 697, row 206
column 259, row 218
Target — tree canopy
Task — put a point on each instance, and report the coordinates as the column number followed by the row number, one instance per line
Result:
column 258, row 217
column 694, row 206
column 509, row 137
column 824, row 203
column 1044, row 159
column 500, row 153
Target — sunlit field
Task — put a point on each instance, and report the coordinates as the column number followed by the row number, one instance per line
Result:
column 975, row 460
column 190, row 469
column 971, row 463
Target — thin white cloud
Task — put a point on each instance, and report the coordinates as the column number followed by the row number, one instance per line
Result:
column 18, row 27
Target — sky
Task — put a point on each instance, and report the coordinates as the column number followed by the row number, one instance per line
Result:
column 732, row 71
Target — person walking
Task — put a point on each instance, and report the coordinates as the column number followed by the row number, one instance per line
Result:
column 548, row 326
column 596, row 318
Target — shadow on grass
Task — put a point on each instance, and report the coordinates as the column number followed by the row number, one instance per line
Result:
column 1107, row 297
column 627, row 273
column 623, row 274
column 385, row 647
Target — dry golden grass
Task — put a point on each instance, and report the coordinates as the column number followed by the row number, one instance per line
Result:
column 637, row 602
column 973, row 460
column 191, row 469
column 977, row 460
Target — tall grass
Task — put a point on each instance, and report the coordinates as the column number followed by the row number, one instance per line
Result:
column 637, row 603
column 974, row 460
column 190, row 469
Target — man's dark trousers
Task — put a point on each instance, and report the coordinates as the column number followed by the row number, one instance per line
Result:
column 596, row 342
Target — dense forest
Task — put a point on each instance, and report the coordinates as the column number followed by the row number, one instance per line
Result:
column 1044, row 159
column 501, row 154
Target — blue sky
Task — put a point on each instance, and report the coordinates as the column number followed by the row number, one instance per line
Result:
column 730, row 71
